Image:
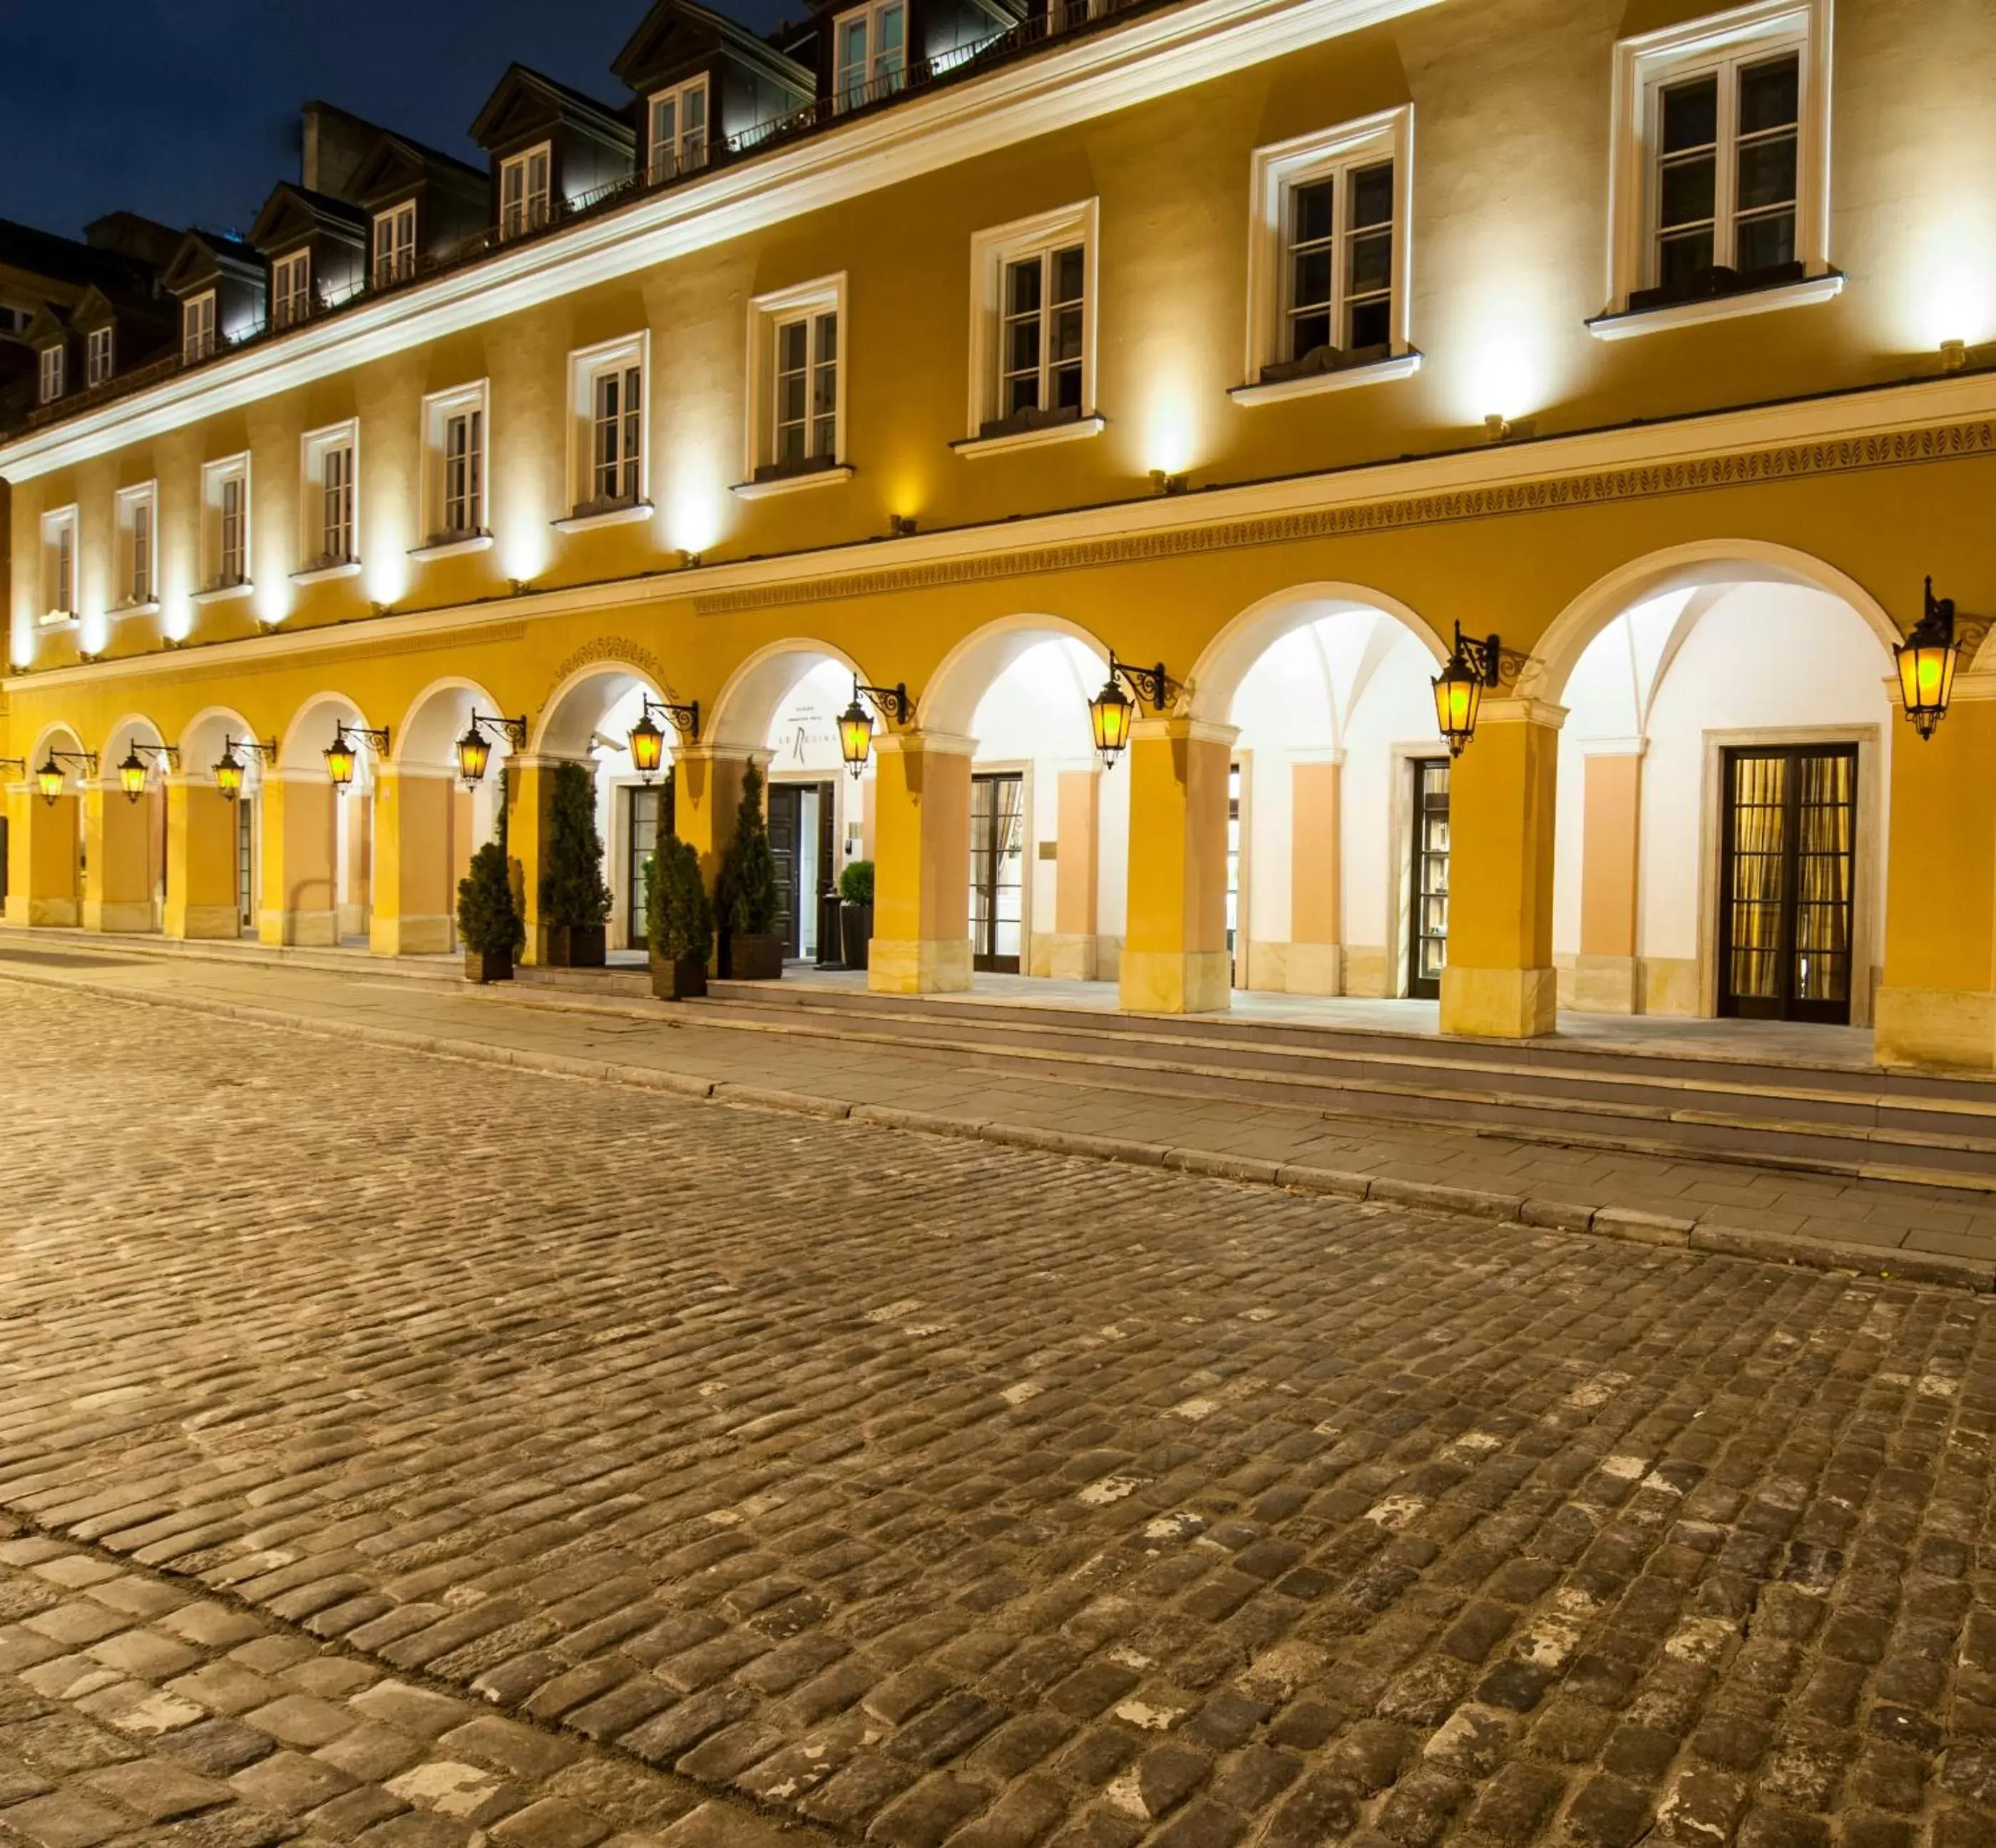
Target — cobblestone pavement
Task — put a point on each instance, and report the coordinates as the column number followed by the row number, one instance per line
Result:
column 932, row 1491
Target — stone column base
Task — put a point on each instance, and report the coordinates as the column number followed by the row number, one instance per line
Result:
column 925, row 966
column 1499, row 1003
column 1176, row 982
column 1606, row 984
column 1936, row 1027
column 203, row 922
column 408, row 936
column 1315, row 969
column 309, row 930
column 1072, row 959
column 47, row 914
column 117, row 916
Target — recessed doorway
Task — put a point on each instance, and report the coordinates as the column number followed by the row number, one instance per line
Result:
column 1427, row 878
column 997, row 870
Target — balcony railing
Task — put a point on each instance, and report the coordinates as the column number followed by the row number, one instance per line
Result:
column 1066, row 20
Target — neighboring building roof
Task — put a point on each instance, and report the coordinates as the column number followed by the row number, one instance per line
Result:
column 66, row 262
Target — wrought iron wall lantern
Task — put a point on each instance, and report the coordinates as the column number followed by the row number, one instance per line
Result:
column 51, row 778
column 229, row 768
column 139, row 761
column 474, row 749
column 1112, row 711
column 856, row 723
column 647, row 742
column 344, row 752
column 1458, row 688
column 1926, row 661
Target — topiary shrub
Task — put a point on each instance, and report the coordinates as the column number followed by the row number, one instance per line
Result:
column 486, row 920
column 856, row 882
column 572, row 893
column 679, row 920
column 749, row 871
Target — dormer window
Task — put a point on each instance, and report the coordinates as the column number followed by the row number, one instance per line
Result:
column 50, row 374
column 97, row 355
column 524, row 191
column 679, row 130
column 198, row 328
column 290, row 289
column 871, row 44
column 395, row 244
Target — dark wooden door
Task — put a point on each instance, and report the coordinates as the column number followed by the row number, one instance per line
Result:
column 786, row 843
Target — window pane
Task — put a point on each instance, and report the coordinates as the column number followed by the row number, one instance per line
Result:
column 889, row 21
column 1311, row 283
column 1022, row 287
column 790, row 397
column 1067, row 334
column 1022, row 393
column 1067, row 388
column 1687, row 192
column 1307, row 332
column 1372, row 196
column 1371, row 262
column 1691, row 115
column 1769, row 95
column 1766, row 242
column 1682, row 257
column 1310, row 212
column 790, row 345
column 696, row 109
column 1767, row 173
column 827, row 338
column 1371, row 323
column 1068, row 274
column 1022, row 346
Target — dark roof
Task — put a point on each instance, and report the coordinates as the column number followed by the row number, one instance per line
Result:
column 674, row 31
column 520, row 90
column 203, row 256
column 293, row 213
column 397, row 164
column 66, row 261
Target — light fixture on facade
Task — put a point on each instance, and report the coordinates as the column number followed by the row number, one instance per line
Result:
column 1112, row 711
column 474, row 749
column 647, row 742
column 1954, row 356
column 1926, row 661
column 229, row 768
column 856, row 723
column 133, row 771
column 51, row 778
column 344, row 752
column 1458, row 688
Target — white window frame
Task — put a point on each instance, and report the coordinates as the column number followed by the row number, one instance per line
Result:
column 199, row 333
column 678, row 97
column 1644, row 66
column 215, row 477
column 585, row 366
column 62, row 566
column 321, row 452
column 138, row 511
column 990, row 251
column 100, row 355
column 528, row 218
column 1275, row 172
column 392, row 246
column 291, row 289
column 440, row 408
column 868, row 16
column 51, row 372
column 768, row 314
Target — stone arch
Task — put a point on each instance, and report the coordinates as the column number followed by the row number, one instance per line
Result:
column 592, row 683
column 427, row 737
column 203, row 738
column 132, row 728
column 1703, row 562
column 310, row 730
column 949, row 702
column 757, row 690
column 57, row 734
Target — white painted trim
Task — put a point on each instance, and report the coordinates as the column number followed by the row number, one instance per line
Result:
column 585, row 364
column 438, row 409
column 766, row 313
column 1094, row 75
column 118, row 612
column 56, row 622
column 477, row 542
column 214, row 476
column 125, row 506
column 313, row 447
column 1030, row 439
column 326, row 573
column 1401, row 366
column 990, row 251
column 791, row 484
column 1805, row 294
column 615, row 516
column 222, row 593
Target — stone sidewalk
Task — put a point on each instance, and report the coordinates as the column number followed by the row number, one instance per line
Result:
column 1924, row 1233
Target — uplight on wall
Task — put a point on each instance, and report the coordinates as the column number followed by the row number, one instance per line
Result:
column 1947, row 292
column 1171, row 430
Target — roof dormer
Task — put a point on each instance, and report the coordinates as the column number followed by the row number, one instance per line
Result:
column 552, row 149
column 420, row 206
column 219, row 282
column 316, row 247
column 701, row 81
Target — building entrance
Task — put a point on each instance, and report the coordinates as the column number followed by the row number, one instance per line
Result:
column 1427, row 878
column 997, row 871
column 800, row 837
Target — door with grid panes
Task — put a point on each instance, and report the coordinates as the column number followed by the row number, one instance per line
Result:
column 647, row 820
column 997, row 871
column 1427, row 878
column 1788, row 882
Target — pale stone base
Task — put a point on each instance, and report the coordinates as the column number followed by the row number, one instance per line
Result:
column 1265, row 968
column 925, row 966
column 409, row 936
column 1369, row 972
column 44, row 914
column 1067, row 958
column 1937, row 1026
column 1172, row 982
column 1315, row 968
column 1108, row 958
column 1499, row 1003
column 118, row 916
column 204, row 922
column 1671, row 985
column 1602, row 985
column 311, row 930
column 353, row 921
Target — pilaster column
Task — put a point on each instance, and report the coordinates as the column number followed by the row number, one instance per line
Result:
column 707, row 792
column 921, row 864
column 1316, row 850
column 118, row 881
column 1077, row 873
column 529, row 799
column 42, row 884
column 414, row 891
column 1937, row 1004
column 1606, row 978
column 1174, row 958
column 1498, row 979
column 200, row 859
column 299, row 901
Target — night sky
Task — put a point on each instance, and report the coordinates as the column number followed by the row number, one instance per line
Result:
column 186, row 111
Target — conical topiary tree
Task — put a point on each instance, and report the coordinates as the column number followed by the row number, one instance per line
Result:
column 486, row 918
column 678, row 917
column 572, row 893
column 749, row 872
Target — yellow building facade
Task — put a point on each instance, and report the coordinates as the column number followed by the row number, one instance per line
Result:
column 1535, row 418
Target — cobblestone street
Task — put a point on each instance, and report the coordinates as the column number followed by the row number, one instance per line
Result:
column 395, row 1449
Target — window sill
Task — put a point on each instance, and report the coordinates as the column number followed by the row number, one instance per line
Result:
column 1031, row 439
column 1626, row 325
column 616, row 516
column 52, row 622
column 793, row 484
column 222, row 593
column 322, row 574
column 472, row 541
column 1378, row 372
column 150, row 608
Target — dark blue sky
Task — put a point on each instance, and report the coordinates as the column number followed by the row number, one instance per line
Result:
column 186, row 111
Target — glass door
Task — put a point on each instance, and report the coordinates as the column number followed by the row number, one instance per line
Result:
column 648, row 819
column 997, row 871
column 1427, row 878
column 1788, row 884
column 1234, row 874
column 246, row 861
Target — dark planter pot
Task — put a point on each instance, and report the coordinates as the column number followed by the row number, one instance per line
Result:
column 856, row 929
column 488, row 966
column 758, row 957
column 577, row 946
column 682, row 980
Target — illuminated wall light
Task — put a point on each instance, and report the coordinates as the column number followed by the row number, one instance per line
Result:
column 693, row 513
column 93, row 630
column 177, row 617
column 1171, row 429
column 1947, row 288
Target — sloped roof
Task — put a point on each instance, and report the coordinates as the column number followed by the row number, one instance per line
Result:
column 526, row 100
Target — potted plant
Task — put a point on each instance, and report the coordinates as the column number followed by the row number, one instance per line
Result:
column 486, row 918
column 574, row 900
column 750, row 949
column 855, row 913
column 678, row 921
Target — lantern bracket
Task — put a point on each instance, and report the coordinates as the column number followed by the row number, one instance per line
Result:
column 513, row 730
column 87, row 758
column 685, row 719
column 892, row 703
column 1148, row 686
column 1483, row 657
column 377, row 742
column 17, row 764
column 264, row 750
column 170, row 752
